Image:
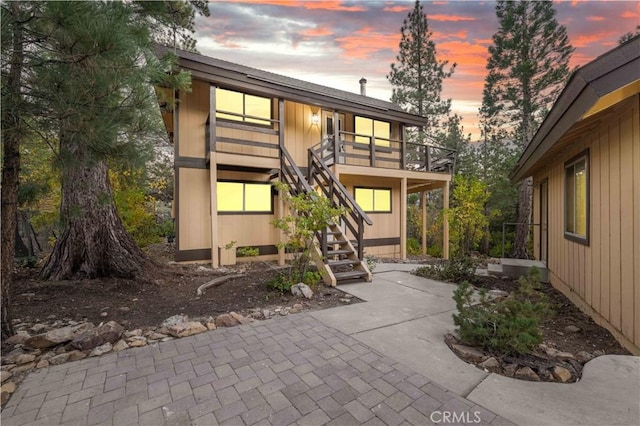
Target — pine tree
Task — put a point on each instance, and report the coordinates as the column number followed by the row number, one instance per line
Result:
column 417, row 76
column 528, row 66
column 629, row 36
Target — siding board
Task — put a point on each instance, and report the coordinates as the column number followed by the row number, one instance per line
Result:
column 614, row 234
column 626, row 216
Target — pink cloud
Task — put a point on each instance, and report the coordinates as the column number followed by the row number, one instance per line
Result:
column 595, row 18
column 450, row 18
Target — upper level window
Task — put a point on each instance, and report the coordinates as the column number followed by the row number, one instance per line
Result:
column 380, row 131
column 576, row 198
column 243, row 107
column 373, row 199
column 244, row 197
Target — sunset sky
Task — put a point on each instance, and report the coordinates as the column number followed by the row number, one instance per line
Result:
column 335, row 43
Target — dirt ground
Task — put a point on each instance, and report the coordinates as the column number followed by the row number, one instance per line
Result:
column 172, row 291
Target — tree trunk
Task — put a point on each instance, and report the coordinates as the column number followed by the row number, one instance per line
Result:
column 93, row 242
column 521, row 243
column 11, row 138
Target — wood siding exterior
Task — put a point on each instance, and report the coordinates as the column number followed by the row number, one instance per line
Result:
column 603, row 277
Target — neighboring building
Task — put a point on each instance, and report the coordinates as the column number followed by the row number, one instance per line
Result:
column 585, row 163
column 241, row 128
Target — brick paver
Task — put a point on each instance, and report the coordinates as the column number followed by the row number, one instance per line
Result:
column 277, row 372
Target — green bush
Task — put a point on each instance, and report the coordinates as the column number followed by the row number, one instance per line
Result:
column 434, row 251
column 414, row 246
column 247, row 251
column 455, row 270
column 507, row 326
column 280, row 282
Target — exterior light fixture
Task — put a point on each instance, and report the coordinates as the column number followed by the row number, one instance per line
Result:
column 315, row 118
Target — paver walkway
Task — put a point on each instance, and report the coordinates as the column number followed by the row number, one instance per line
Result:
column 287, row 370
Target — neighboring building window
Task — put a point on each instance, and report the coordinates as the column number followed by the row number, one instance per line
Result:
column 244, row 197
column 576, row 198
column 373, row 199
column 380, row 131
column 238, row 106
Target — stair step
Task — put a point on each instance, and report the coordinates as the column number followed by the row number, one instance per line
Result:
column 343, row 262
column 349, row 275
column 338, row 252
column 334, row 232
column 334, row 242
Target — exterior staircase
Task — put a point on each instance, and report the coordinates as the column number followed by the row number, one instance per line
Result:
column 336, row 256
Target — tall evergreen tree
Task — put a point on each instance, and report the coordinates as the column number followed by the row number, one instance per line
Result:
column 528, row 66
column 417, row 75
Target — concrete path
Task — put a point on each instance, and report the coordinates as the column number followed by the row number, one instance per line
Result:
column 375, row 363
column 405, row 319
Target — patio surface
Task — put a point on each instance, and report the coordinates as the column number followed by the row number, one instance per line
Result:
column 379, row 362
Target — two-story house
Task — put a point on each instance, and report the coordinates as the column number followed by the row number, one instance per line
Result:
column 239, row 129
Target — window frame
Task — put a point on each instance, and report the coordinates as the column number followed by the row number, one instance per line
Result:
column 365, row 145
column 244, row 212
column 377, row 188
column 242, row 120
column 570, row 164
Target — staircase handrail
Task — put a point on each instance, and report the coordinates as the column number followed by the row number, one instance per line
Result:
column 300, row 183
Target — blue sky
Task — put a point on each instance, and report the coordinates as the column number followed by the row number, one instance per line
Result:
column 335, row 43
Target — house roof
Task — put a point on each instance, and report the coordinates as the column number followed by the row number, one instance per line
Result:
column 587, row 86
column 267, row 83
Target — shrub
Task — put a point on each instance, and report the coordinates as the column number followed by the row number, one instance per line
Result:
column 455, row 270
column 247, row 251
column 280, row 282
column 434, row 251
column 508, row 326
column 414, row 246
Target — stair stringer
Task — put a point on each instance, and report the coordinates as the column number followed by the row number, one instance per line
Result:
column 324, row 268
column 342, row 239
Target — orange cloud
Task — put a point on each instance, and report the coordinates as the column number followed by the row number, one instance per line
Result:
column 317, row 32
column 585, row 40
column 595, row 18
column 335, row 5
column 362, row 43
column 440, row 36
column 450, row 18
column 630, row 15
column 397, row 9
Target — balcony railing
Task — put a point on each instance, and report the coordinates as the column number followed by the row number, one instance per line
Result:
column 363, row 150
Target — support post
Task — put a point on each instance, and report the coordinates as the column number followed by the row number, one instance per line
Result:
column 403, row 218
column 445, row 223
column 423, row 203
column 213, row 181
column 281, row 214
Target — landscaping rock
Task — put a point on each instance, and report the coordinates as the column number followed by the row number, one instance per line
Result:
column 156, row 336
column 296, row 308
column 226, row 320
column 344, row 300
column 584, row 356
column 186, row 329
column 136, row 332
column 138, row 341
column 25, row 359
column 38, row 328
column 597, row 353
column 490, row 364
column 60, row 359
column 572, row 329
column 77, row 355
column 509, row 370
column 23, row 367
column 101, row 350
column 561, row 374
column 267, row 313
column 526, row 373
column 469, row 353
column 564, row 356
column 5, row 375
column 175, row 319
column 105, row 333
column 120, row 346
column 42, row 363
column 19, row 338
column 58, row 336
column 9, row 387
column 301, row 289
column 241, row 319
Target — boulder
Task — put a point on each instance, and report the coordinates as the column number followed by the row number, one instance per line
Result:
column 109, row 332
column 101, row 350
column 210, row 324
column 5, row 375
column 226, row 320
column 137, row 341
column 120, row 346
column 187, row 329
column 490, row 364
column 60, row 359
column 241, row 319
column 301, row 289
column 25, row 359
column 175, row 319
column 509, row 370
column 526, row 373
column 23, row 367
column 469, row 353
column 561, row 374
column 584, row 356
column 9, row 387
column 19, row 338
column 57, row 336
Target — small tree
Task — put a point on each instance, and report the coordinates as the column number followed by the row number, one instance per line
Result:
column 310, row 214
column 467, row 219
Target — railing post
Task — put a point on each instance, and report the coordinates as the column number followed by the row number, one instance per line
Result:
column 324, row 243
column 427, row 158
column 360, row 238
column 372, row 151
column 403, row 148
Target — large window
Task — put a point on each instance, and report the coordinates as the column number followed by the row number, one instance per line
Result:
column 244, row 197
column 374, row 199
column 243, row 107
column 379, row 131
column 576, row 198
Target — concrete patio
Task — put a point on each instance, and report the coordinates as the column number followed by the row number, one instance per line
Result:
column 379, row 362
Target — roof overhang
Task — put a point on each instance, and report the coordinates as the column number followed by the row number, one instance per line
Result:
column 598, row 85
column 268, row 84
